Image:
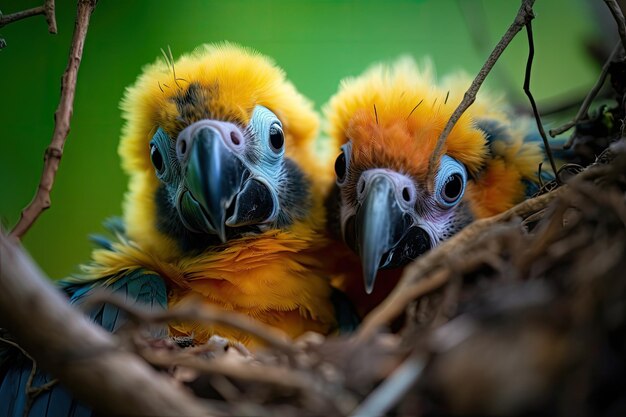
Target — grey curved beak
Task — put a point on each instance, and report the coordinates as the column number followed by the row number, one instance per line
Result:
column 214, row 176
column 379, row 226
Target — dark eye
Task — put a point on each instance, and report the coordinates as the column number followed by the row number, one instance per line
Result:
column 157, row 158
column 452, row 188
column 340, row 167
column 277, row 138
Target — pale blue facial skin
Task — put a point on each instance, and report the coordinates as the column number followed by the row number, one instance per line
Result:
column 388, row 219
column 255, row 152
column 440, row 218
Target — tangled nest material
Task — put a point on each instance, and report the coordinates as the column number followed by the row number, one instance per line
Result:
column 530, row 318
column 521, row 313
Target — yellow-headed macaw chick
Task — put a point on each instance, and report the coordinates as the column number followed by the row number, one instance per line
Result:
column 225, row 202
column 386, row 123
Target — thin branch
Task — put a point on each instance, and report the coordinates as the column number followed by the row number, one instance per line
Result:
column 619, row 19
column 424, row 275
column 542, row 132
column 280, row 376
column 475, row 19
column 524, row 15
column 85, row 358
column 205, row 314
column 582, row 112
column 393, row 389
column 62, row 116
column 31, row 392
column 47, row 9
column 386, row 312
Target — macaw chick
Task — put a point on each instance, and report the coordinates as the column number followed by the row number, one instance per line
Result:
column 385, row 207
column 225, row 207
column 225, row 197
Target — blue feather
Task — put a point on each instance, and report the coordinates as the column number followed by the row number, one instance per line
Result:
column 137, row 287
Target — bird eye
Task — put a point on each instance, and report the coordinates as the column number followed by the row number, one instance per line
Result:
column 340, row 167
column 277, row 138
column 157, row 158
column 452, row 188
column 450, row 182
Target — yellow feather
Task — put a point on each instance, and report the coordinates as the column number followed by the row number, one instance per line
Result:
column 273, row 277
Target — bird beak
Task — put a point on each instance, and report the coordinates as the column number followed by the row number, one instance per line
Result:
column 386, row 234
column 380, row 223
column 214, row 175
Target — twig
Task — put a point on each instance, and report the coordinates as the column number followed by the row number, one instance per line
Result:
column 280, row 376
column 619, row 19
column 523, row 16
column 387, row 394
column 529, row 65
column 31, row 392
column 422, row 275
column 273, row 337
column 85, row 358
column 47, row 9
column 62, row 116
column 386, row 312
column 582, row 112
column 475, row 18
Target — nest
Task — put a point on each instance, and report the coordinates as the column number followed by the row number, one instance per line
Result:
column 522, row 313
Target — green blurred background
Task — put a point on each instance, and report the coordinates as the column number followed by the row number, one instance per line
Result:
column 316, row 42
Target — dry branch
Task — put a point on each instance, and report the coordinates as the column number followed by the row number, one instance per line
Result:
column 47, row 9
column 529, row 65
column 582, row 112
column 619, row 19
column 524, row 15
column 307, row 383
column 578, row 250
column 430, row 272
column 83, row 356
column 203, row 314
column 62, row 116
column 391, row 391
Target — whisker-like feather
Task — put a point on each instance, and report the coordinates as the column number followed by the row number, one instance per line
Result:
column 414, row 108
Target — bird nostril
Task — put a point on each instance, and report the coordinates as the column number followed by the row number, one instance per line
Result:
column 182, row 147
column 406, row 194
column 235, row 138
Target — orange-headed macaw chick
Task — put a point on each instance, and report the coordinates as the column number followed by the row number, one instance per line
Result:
column 386, row 123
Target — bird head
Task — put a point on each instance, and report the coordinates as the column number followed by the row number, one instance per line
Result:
column 213, row 143
column 386, row 123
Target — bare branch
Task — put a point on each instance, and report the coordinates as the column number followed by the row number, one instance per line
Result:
column 391, row 391
column 619, row 19
column 47, row 9
column 524, row 15
column 83, row 356
column 31, row 392
column 529, row 65
column 62, row 116
column 305, row 382
column 424, row 274
column 582, row 113
column 202, row 313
